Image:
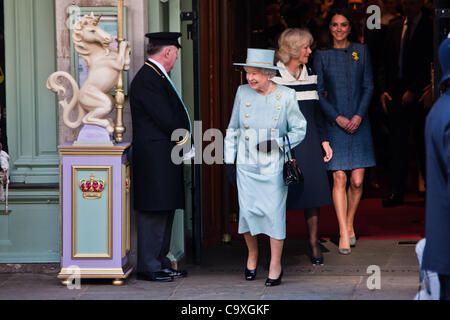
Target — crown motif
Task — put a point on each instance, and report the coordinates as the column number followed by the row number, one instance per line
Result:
column 92, row 188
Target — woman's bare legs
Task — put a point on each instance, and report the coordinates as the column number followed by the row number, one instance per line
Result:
column 252, row 246
column 341, row 206
column 354, row 194
column 276, row 250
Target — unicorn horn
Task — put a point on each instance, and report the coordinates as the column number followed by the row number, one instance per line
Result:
column 98, row 19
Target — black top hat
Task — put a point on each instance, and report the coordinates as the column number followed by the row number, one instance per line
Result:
column 164, row 38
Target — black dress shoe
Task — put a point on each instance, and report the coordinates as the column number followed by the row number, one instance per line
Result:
column 317, row 261
column 393, row 200
column 250, row 274
column 176, row 273
column 274, row 282
column 155, row 276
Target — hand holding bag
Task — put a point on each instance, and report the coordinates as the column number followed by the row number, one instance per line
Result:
column 292, row 174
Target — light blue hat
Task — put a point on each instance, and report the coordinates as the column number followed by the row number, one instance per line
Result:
column 260, row 58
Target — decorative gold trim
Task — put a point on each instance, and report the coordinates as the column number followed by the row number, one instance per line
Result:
column 75, row 254
column 93, row 151
column 148, row 64
column 125, row 209
column 97, row 273
column 185, row 139
column 119, row 128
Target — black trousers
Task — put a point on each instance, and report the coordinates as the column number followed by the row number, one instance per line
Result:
column 404, row 121
column 154, row 233
column 444, row 281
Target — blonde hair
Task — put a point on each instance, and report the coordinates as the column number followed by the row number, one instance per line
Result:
column 290, row 43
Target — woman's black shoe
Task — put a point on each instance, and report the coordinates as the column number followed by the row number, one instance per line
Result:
column 274, row 282
column 250, row 274
column 317, row 261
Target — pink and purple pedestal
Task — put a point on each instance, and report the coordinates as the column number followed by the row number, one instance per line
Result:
column 95, row 210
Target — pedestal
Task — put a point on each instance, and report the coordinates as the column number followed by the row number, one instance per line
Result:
column 95, row 212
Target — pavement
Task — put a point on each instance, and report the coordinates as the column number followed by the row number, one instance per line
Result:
column 375, row 270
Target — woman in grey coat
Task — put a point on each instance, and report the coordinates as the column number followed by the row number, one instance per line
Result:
column 345, row 86
column 263, row 114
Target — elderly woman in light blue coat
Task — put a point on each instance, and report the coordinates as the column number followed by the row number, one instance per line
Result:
column 263, row 114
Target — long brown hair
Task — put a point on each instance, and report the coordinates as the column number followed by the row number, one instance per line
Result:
column 326, row 39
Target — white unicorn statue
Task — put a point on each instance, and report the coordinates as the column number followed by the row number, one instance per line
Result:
column 104, row 63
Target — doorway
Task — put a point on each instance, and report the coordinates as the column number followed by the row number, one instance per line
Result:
column 227, row 29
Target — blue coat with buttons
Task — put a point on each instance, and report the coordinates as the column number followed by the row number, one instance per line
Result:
column 345, row 87
column 261, row 190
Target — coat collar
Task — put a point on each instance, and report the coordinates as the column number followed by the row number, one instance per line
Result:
column 285, row 74
column 159, row 66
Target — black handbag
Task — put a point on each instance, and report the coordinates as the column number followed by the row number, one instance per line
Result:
column 292, row 174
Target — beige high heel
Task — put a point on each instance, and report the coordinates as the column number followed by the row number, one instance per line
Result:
column 344, row 251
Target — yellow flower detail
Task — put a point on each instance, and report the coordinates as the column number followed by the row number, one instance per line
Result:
column 355, row 56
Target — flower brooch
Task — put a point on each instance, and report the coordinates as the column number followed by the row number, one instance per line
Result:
column 355, row 56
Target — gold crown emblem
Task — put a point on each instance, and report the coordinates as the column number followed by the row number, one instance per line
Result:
column 92, row 188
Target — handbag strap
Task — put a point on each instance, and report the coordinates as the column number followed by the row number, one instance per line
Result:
column 289, row 154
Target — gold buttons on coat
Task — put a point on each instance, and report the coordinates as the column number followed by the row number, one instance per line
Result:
column 248, row 104
column 246, row 127
column 247, row 138
column 276, row 118
column 279, row 108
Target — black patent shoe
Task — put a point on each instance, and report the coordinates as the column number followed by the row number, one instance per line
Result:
column 274, row 282
column 317, row 261
column 250, row 274
column 155, row 276
column 176, row 273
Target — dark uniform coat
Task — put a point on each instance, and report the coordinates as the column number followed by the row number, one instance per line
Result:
column 436, row 256
column 156, row 112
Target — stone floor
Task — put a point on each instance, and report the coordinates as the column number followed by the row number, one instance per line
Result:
column 220, row 277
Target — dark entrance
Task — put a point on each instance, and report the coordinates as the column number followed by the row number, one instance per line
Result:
column 227, row 29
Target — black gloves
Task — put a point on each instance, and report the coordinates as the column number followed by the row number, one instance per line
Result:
column 230, row 170
column 267, row 146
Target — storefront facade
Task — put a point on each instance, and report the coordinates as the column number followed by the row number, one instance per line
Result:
column 37, row 43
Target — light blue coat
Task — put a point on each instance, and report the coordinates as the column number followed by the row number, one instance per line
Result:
column 261, row 190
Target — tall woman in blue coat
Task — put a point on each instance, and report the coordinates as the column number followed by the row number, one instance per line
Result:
column 345, row 87
column 293, row 54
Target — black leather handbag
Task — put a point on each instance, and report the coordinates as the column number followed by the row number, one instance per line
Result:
column 292, row 174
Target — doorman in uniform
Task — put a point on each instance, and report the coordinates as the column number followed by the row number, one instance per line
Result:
column 157, row 111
